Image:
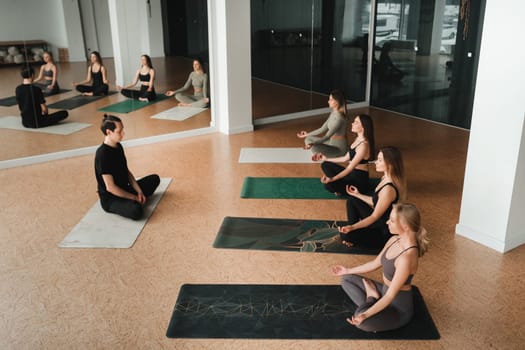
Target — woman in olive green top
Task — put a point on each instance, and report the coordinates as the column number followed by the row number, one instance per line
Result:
column 333, row 143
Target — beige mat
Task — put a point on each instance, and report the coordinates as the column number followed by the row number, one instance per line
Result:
column 99, row 229
column 63, row 128
column 275, row 155
column 179, row 113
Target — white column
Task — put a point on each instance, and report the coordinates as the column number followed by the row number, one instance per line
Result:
column 132, row 32
column 230, row 65
column 493, row 203
column 75, row 39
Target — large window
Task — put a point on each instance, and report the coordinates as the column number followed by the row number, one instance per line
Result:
column 424, row 61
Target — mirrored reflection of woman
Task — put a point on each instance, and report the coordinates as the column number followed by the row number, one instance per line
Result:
column 198, row 79
column 48, row 75
column 146, row 75
column 96, row 75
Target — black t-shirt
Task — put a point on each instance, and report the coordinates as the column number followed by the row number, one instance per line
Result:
column 29, row 98
column 112, row 161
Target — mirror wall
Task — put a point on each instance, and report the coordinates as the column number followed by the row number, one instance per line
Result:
column 71, row 30
column 303, row 49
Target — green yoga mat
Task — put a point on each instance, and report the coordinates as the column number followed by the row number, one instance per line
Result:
column 77, row 101
column 11, row 100
column 281, row 312
column 315, row 236
column 131, row 105
column 289, row 188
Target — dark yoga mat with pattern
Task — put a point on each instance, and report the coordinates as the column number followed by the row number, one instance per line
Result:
column 289, row 188
column 11, row 100
column 77, row 101
column 316, row 236
column 131, row 105
column 280, row 312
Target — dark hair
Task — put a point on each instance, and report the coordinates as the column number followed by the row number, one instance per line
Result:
column 50, row 56
column 148, row 61
column 341, row 101
column 27, row 72
column 394, row 165
column 200, row 63
column 97, row 55
column 368, row 128
column 108, row 123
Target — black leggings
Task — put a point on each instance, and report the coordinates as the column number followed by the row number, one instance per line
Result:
column 395, row 315
column 357, row 178
column 47, row 120
column 126, row 207
column 373, row 236
column 142, row 93
column 97, row 90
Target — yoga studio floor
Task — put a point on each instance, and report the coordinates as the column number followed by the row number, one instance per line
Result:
column 54, row 298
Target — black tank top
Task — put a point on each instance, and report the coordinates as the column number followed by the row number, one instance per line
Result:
column 97, row 77
column 375, row 198
column 352, row 152
column 144, row 77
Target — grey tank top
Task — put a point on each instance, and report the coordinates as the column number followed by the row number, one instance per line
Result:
column 389, row 269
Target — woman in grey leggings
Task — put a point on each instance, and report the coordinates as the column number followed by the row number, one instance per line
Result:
column 199, row 80
column 388, row 305
column 330, row 138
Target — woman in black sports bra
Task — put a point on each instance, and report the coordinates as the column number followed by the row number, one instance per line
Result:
column 97, row 75
column 367, row 215
column 146, row 75
column 336, row 177
column 48, row 74
column 388, row 305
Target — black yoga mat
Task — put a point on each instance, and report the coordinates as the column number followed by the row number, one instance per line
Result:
column 283, row 234
column 280, row 312
column 77, row 101
column 11, row 101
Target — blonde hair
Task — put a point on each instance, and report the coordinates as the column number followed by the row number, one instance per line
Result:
column 410, row 215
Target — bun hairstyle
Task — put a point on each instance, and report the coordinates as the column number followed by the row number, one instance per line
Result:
column 108, row 123
column 409, row 215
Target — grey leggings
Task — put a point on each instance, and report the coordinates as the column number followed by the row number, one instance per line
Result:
column 394, row 316
column 196, row 100
column 331, row 149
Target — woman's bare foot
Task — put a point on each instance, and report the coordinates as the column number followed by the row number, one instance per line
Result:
column 370, row 288
column 143, row 99
column 87, row 93
column 348, row 244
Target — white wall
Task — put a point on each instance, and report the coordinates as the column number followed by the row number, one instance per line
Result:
column 105, row 45
column 493, row 203
column 33, row 20
column 230, row 65
column 73, row 30
column 133, row 34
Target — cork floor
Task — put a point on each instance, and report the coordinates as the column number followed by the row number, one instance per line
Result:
column 52, row 298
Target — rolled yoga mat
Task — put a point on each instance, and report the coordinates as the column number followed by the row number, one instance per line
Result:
column 281, row 312
column 131, row 105
column 289, row 188
column 315, row 236
column 77, row 101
